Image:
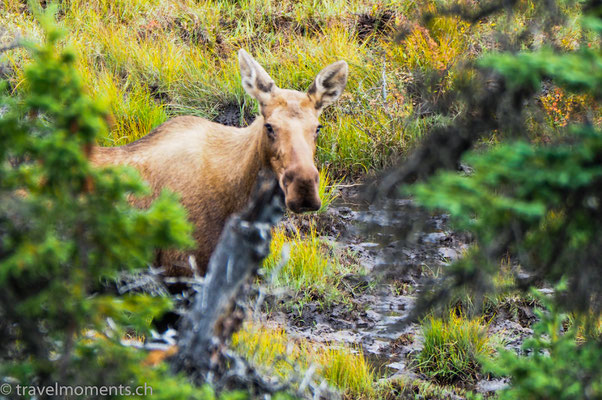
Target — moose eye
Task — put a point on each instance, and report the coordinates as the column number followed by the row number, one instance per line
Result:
column 318, row 130
column 270, row 131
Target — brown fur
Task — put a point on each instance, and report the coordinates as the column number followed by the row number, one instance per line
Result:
column 214, row 167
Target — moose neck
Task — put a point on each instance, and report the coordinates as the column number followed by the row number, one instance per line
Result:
column 251, row 156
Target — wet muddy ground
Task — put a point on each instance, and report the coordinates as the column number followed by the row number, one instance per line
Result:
column 399, row 248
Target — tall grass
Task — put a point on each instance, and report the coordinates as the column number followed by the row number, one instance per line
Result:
column 327, row 190
column 310, row 268
column 453, row 348
column 347, row 369
column 156, row 59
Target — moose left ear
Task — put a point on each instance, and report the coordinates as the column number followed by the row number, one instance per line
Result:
column 329, row 85
column 256, row 82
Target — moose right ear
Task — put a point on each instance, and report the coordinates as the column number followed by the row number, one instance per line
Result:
column 329, row 85
column 257, row 83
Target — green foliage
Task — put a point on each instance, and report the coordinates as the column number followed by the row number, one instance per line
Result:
column 542, row 191
column 454, row 348
column 538, row 203
column 539, row 206
column 65, row 226
column 556, row 366
column 578, row 72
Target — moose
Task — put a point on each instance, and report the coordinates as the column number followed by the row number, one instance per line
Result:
column 214, row 167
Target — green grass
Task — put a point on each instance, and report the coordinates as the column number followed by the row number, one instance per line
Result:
column 152, row 60
column 504, row 298
column 453, row 348
column 347, row 369
column 312, row 268
column 343, row 367
column 327, row 190
column 269, row 348
column 312, row 264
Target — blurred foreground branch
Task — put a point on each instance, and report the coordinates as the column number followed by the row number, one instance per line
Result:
column 531, row 196
column 213, row 318
column 445, row 146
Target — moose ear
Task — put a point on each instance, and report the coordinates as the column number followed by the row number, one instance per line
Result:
column 329, row 85
column 255, row 80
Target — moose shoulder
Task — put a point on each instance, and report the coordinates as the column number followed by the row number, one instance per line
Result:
column 214, row 167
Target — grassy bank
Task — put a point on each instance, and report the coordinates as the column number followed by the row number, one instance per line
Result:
column 151, row 60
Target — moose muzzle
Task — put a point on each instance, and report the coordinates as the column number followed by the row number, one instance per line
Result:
column 300, row 186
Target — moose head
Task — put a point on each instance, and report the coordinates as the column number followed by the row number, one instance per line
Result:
column 291, row 127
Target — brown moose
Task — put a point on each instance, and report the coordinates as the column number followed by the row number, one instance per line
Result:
column 214, row 167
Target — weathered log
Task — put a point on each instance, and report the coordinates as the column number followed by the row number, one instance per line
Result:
column 208, row 326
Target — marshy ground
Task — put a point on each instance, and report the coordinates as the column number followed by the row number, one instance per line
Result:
column 357, row 305
column 338, row 284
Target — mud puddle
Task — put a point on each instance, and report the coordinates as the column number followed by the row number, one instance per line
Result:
column 398, row 248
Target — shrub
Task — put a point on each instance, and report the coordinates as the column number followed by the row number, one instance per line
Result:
column 65, row 227
column 554, row 365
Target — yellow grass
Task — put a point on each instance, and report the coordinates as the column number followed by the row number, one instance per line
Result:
column 156, row 59
column 311, row 266
column 270, row 348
